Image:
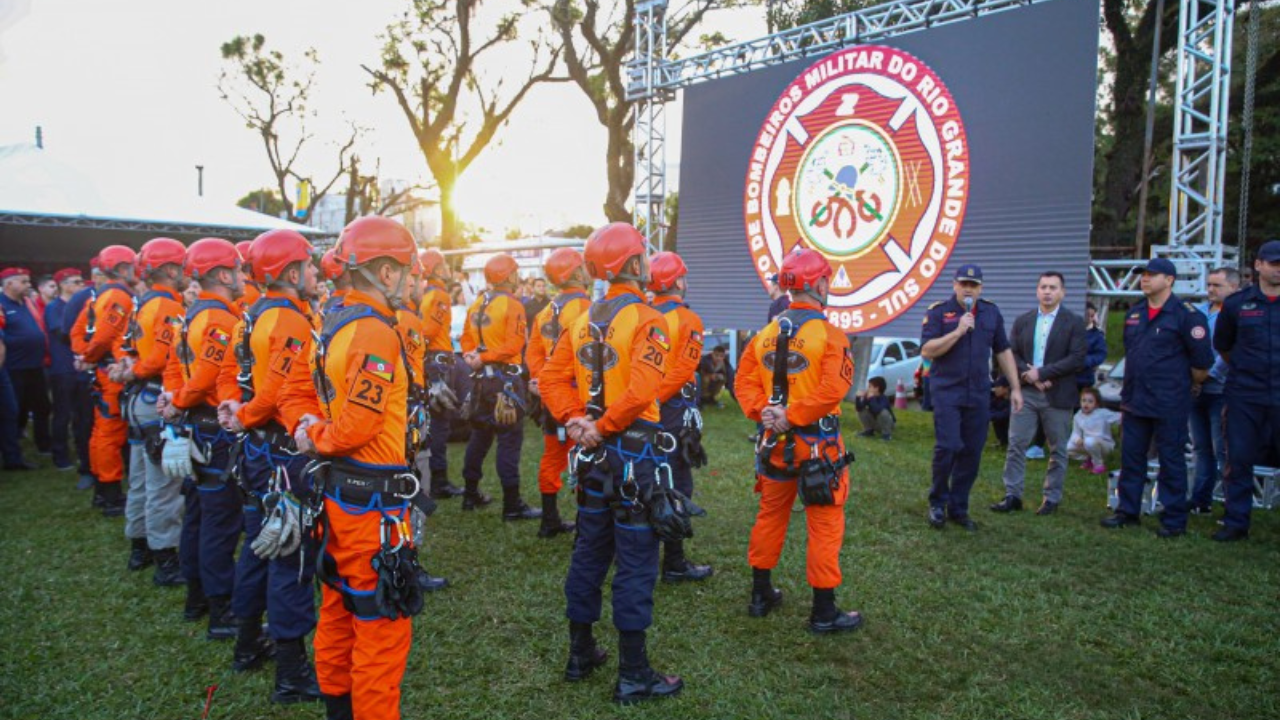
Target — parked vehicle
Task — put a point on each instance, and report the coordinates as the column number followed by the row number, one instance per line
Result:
column 895, row 359
column 1110, row 384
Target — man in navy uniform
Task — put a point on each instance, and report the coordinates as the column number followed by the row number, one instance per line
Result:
column 960, row 334
column 1248, row 338
column 1166, row 344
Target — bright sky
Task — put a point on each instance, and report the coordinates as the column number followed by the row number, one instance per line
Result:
column 126, row 90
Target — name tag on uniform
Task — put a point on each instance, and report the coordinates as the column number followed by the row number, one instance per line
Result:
column 950, row 317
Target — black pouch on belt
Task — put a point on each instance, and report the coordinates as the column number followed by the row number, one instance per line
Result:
column 668, row 513
column 153, row 443
column 397, row 594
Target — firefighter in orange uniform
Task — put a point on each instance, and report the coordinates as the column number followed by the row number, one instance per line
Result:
column 436, row 311
column 96, row 340
column 153, row 513
column 275, row 569
column 566, row 270
column 332, row 269
column 792, row 379
column 367, row 556
column 678, row 396
column 493, row 346
column 212, row 519
column 411, row 328
column 602, row 382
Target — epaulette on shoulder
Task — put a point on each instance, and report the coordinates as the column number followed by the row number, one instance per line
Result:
column 989, row 302
column 936, row 304
column 1190, row 308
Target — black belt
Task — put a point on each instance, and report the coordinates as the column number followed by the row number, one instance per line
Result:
column 440, row 358
column 360, row 484
column 273, row 434
column 143, row 385
column 495, row 368
column 204, row 418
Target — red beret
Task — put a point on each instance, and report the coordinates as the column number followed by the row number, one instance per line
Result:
column 7, row 273
column 66, row 274
column 93, row 262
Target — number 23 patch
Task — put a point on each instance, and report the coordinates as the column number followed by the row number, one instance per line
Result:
column 372, row 384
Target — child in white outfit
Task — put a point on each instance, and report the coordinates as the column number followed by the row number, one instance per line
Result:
column 1091, row 438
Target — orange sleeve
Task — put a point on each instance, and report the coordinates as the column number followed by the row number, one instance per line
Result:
column 513, row 344
column 837, row 378
column 155, row 363
column 437, row 316
column 78, row 330
column 290, row 328
column 228, row 382
column 111, row 325
column 751, row 395
column 202, row 386
column 686, row 352
column 555, row 382
column 535, row 353
column 642, row 386
column 356, row 425
column 469, row 340
column 297, row 395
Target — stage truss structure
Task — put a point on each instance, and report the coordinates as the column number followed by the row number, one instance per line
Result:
column 1200, row 114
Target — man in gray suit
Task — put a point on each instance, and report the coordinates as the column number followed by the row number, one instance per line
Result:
column 1049, row 348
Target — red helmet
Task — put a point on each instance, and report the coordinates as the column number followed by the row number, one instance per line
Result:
column 160, row 251
column 561, row 265
column 664, row 269
column 330, row 266
column 207, row 254
column 113, row 256
column 274, row 251
column 431, row 260
column 802, row 269
column 244, row 247
column 415, row 267
column 610, row 247
column 500, row 268
column 372, row 237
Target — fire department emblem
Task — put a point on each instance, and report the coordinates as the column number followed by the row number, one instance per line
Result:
column 864, row 159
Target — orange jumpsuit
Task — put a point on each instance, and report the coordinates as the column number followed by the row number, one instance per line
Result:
column 409, row 325
column 501, row 325
column 159, row 322
column 819, row 376
column 364, row 423
column 436, row 311
column 111, row 311
column 542, row 340
column 209, row 337
column 281, row 340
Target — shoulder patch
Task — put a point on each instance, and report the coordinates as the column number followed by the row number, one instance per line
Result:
column 936, row 304
column 219, row 336
column 659, row 338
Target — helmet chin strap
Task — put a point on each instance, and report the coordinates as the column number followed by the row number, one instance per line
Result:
column 392, row 295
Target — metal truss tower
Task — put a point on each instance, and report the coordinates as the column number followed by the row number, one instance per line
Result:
column 650, row 131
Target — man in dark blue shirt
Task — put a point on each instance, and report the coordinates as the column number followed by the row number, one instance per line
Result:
column 1248, row 338
column 1166, row 344
column 960, row 335
column 82, row 386
column 62, row 371
column 27, row 349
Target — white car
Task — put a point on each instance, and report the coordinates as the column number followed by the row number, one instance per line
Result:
column 895, row 359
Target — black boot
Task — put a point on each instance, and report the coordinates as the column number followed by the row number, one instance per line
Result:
column 222, row 624
column 168, row 569
column 637, row 680
column 442, row 489
column 252, row 647
column 295, row 678
column 677, row 568
column 827, row 618
column 139, row 554
column 584, row 654
column 472, row 498
column 552, row 525
column 99, row 500
column 764, row 596
column 430, row 583
column 514, row 508
column 112, row 500
column 197, row 605
column 338, row 707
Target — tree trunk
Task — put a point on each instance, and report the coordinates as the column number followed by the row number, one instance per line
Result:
column 1124, row 159
column 449, row 229
column 620, row 166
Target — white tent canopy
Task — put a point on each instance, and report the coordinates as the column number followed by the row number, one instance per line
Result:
column 37, row 188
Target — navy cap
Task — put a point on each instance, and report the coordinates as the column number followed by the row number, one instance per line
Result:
column 1161, row 266
column 969, row 273
column 1270, row 251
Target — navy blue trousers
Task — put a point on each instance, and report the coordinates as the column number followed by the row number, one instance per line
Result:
column 620, row 538
column 672, row 422
column 1251, row 429
column 1170, row 435
column 211, row 523
column 9, row 447
column 509, row 440
column 281, row 587
column 960, row 433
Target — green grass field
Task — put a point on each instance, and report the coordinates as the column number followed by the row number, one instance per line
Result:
column 1030, row 618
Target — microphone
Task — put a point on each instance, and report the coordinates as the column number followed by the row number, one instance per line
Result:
column 968, row 305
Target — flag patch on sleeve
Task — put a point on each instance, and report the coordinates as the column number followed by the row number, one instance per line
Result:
column 293, row 345
column 659, row 338
column 375, row 365
column 220, row 336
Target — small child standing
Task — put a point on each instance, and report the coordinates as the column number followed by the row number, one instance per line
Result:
column 1091, row 437
column 875, row 410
